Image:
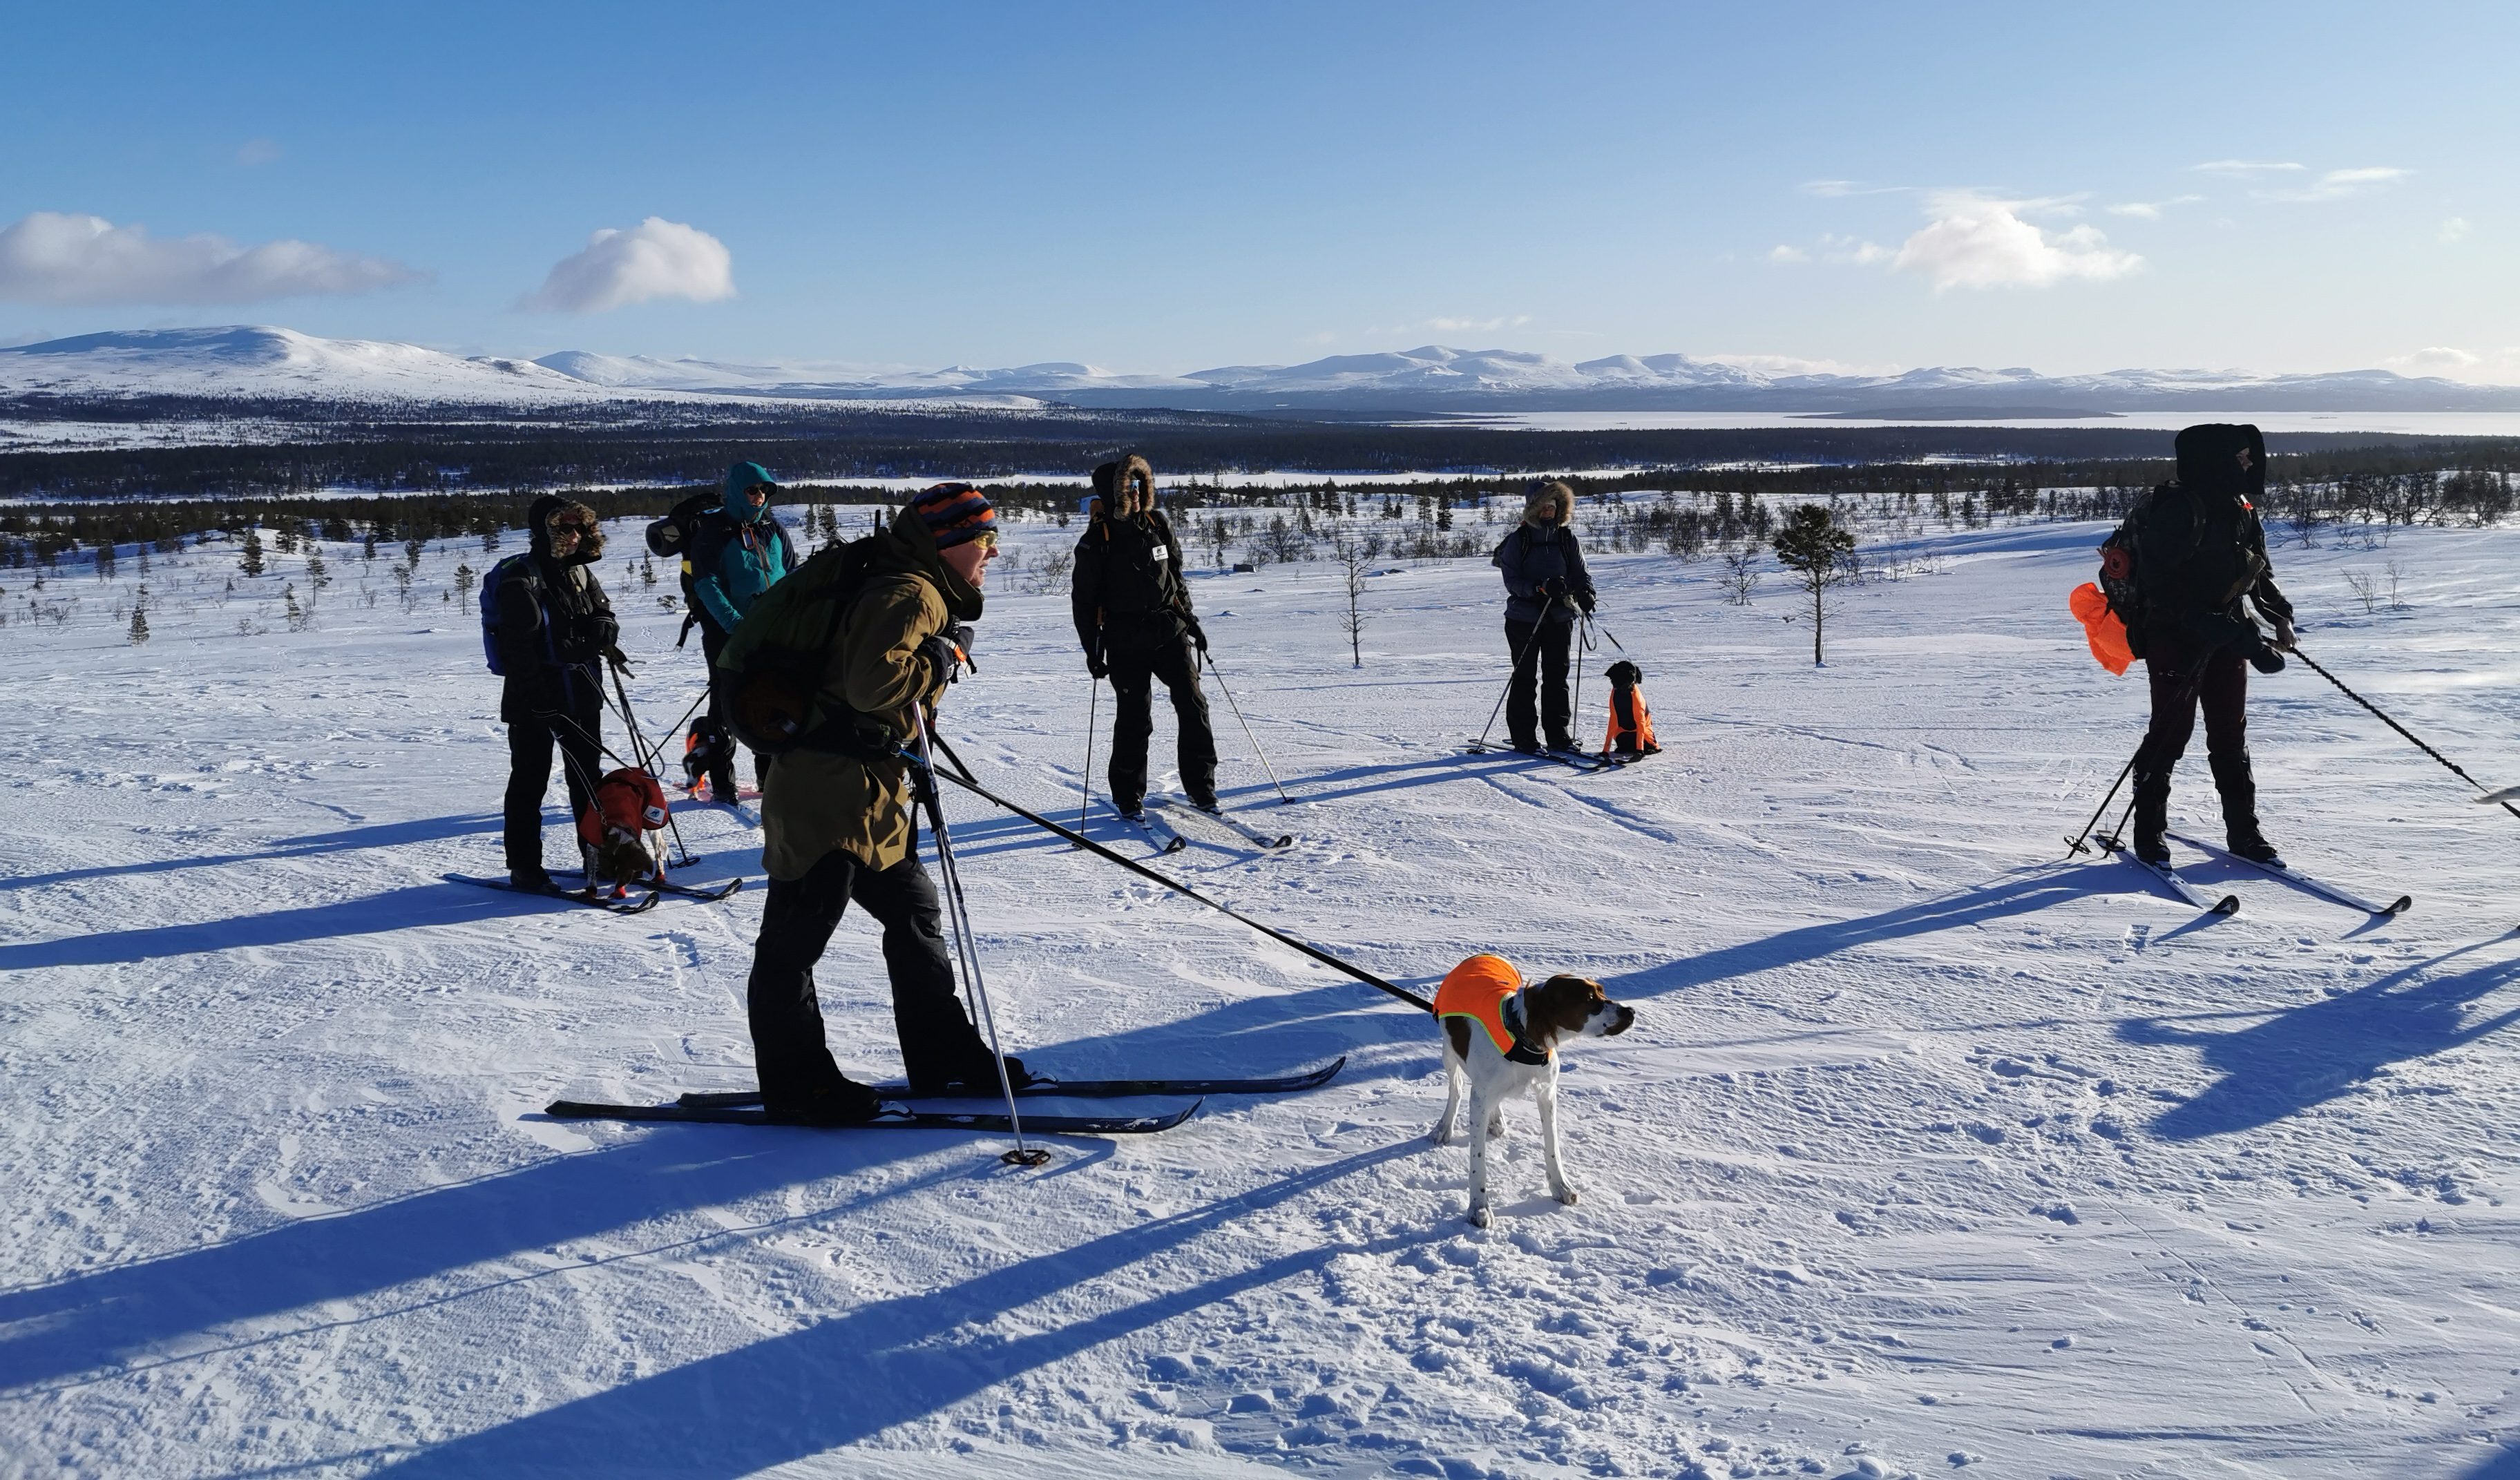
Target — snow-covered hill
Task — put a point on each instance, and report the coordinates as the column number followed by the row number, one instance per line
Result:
column 281, row 362
column 1933, row 1151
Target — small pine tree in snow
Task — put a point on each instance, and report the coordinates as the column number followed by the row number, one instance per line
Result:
column 648, row 571
column 464, row 578
column 1815, row 548
column 316, row 578
column 296, row 614
column 140, row 618
column 250, row 561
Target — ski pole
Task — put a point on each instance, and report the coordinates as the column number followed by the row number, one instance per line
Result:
column 639, row 742
column 968, row 784
column 2075, row 842
column 2110, row 840
column 965, row 946
column 1282, row 798
column 2401, row 729
column 1528, row 644
column 1085, row 783
column 1583, row 644
column 1613, row 636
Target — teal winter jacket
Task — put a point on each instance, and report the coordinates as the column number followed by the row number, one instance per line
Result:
column 750, row 554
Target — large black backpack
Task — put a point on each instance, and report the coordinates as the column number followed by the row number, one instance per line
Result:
column 771, row 700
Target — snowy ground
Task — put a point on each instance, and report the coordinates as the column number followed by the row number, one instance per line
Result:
column 1931, row 1148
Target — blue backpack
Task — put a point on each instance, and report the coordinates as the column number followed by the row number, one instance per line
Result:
column 490, row 610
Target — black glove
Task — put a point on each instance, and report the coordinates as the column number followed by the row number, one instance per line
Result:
column 619, row 660
column 1095, row 664
column 1584, row 598
column 1554, row 587
column 1198, row 634
column 942, row 655
column 603, row 631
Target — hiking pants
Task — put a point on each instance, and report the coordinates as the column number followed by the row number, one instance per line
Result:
column 937, row 1041
column 529, row 766
column 1543, row 647
column 1134, row 672
column 722, row 780
column 2186, row 677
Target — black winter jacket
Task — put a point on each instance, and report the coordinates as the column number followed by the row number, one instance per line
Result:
column 555, row 626
column 2198, row 552
column 1128, row 589
column 1532, row 556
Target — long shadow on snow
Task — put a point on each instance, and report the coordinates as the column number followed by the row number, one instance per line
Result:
column 379, row 835
column 98, row 1319
column 2024, row 891
column 432, row 904
column 2310, row 1055
column 2504, row 1465
column 1273, row 1034
column 848, row 1378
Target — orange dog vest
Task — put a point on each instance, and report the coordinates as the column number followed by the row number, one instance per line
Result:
column 1478, row 990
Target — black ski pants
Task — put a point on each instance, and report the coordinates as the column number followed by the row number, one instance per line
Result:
column 1134, row 672
column 531, row 742
column 937, row 1041
column 2186, row 675
column 1537, row 693
column 722, row 780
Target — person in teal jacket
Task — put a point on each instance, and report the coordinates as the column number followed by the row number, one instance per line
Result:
column 736, row 551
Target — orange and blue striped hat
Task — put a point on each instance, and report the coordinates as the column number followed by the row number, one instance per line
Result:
column 956, row 512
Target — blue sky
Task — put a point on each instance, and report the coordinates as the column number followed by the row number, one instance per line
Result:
column 1171, row 187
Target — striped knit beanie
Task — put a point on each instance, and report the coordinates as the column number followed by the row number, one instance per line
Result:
column 955, row 512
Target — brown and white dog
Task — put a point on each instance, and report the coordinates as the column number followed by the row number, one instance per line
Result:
column 1501, row 1037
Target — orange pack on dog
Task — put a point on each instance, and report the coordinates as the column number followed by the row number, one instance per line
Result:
column 1477, row 990
column 628, row 805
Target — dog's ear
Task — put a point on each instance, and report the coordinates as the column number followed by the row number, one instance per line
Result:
column 1566, row 1001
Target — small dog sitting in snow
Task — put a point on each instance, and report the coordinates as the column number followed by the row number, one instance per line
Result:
column 1502, row 1037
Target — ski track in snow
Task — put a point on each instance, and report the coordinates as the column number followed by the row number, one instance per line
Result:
column 1931, row 1148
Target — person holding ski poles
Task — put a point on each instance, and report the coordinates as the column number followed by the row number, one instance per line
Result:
column 1133, row 615
column 868, row 641
column 2198, row 549
column 733, row 554
column 552, row 626
column 1546, row 585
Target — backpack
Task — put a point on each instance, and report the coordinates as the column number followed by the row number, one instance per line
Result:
column 669, row 536
column 490, row 584
column 769, row 701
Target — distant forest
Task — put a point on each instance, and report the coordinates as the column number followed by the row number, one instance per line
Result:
column 470, row 471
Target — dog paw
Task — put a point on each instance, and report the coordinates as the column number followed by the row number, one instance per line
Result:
column 1569, row 1196
column 1495, row 1129
column 1478, row 1215
column 1441, row 1136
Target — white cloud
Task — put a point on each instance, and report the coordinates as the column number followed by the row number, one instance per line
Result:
column 2150, row 211
column 1844, row 251
column 1977, row 241
column 51, row 258
column 2336, row 185
column 2456, row 229
column 2243, row 166
column 657, row 258
column 1784, row 253
column 1795, row 365
column 2491, row 367
column 1848, row 188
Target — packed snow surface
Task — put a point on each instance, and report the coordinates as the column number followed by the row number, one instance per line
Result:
column 1933, row 1148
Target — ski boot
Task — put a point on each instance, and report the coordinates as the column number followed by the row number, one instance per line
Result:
column 2152, row 818
column 2233, row 777
column 979, row 1081
column 844, row 1103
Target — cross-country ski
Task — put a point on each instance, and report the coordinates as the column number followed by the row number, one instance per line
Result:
column 1080, row 1089
column 889, row 1117
column 2280, row 868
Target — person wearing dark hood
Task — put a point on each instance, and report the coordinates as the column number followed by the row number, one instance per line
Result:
column 1133, row 615
column 1545, row 586
column 554, row 631
column 2199, row 549
column 836, row 810
column 737, row 553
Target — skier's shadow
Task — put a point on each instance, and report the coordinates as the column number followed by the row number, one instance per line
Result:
column 315, row 844
column 2023, row 892
column 123, row 1314
column 2306, row 1056
column 891, row 1361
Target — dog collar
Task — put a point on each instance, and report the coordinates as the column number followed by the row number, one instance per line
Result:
column 1524, row 1050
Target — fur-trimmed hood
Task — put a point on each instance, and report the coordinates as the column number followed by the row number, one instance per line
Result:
column 538, row 518
column 1126, row 486
column 1545, row 493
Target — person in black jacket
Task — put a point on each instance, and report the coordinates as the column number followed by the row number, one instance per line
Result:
column 2198, row 550
column 1134, row 618
column 554, row 631
column 1546, row 585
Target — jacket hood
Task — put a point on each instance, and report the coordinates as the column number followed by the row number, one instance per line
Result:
column 1126, row 486
column 1539, row 496
column 2209, row 459
column 740, row 479
column 916, row 549
column 538, row 518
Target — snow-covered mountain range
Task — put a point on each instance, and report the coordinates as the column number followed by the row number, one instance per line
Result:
column 260, row 361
